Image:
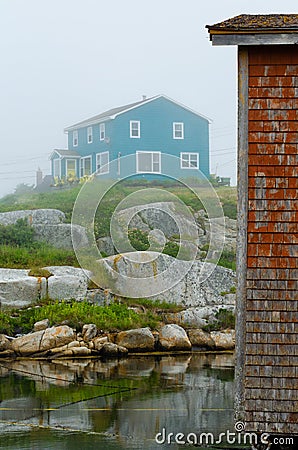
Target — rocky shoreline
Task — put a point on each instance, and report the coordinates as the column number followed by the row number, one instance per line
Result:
column 64, row 342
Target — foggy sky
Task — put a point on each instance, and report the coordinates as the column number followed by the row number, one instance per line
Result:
column 63, row 61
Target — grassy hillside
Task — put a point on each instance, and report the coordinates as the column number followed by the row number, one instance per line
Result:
column 28, row 254
column 64, row 199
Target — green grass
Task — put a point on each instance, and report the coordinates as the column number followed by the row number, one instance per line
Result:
column 39, row 255
column 224, row 319
column 113, row 317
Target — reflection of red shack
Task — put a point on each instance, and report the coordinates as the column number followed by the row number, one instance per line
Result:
column 267, row 305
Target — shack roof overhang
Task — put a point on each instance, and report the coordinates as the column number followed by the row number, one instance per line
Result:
column 270, row 29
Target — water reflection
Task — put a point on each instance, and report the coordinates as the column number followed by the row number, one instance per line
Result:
column 113, row 404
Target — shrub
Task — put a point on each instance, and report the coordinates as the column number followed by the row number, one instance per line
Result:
column 20, row 234
column 224, row 319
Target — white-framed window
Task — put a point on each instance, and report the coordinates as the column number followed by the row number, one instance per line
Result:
column 102, row 162
column 89, row 135
column 102, row 131
column 71, row 168
column 178, row 130
column 189, row 160
column 148, row 162
column 86, row 166
column 57, row 167
column 75, row 138
column 135, row 129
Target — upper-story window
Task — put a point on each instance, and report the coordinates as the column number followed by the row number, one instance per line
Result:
column 75, row 138
column 89, row 135
column 135, row 129
column 178, row 130
column 102, row 131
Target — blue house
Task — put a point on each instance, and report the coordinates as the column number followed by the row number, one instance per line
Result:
column 147, row 129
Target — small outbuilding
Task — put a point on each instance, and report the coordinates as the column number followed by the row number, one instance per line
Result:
column 267, row 303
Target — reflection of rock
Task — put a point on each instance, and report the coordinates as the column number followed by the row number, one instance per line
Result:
column 140, row 339
column 173, row 365
column 173, row 337
column 224, row 339
column 43, row 340
column 139, row 366
column 200, row 338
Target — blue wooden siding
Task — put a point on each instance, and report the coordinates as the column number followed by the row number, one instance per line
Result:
column 156, row 134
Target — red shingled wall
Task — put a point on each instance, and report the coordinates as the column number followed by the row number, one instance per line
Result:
column 271, row 371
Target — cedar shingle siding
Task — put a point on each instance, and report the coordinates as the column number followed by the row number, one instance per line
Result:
column 271, row 363
column 267, row 295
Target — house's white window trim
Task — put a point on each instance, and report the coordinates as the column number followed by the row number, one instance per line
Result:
column 75, row 138
column 152, row 153
column 133, row 129
column 176, row 132
column 190, row 155
column 58, row 160
column 83, row 165
column 89, row 135
column 102, row 131
column 106, row 166
column 67, row 160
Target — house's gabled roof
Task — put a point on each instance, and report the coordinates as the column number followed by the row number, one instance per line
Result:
column 114, row 112
column 256, row 29
column 64, row 153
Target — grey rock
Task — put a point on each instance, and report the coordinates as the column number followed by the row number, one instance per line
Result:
column 200, row 338
column 34, row 217
column 99, row 342
column 105, row 245
column 18, row 289
column 163, row 275
column 89, row 331
column 112, row 350
column 224, row 340
column 140, row 339
column 173, row 337
column 67, row 282
column 41, row 325
column 62, row 235
column 43, row 340
column 4, row 343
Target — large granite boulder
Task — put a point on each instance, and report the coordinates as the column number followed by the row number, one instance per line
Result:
column 140, row 339
column 34, row 217
column 64, row 235
column 173, row 337
column 163, row 277
column 18, row 289
column 67, row 282
column 41, row 341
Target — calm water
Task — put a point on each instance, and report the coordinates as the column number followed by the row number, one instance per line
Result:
column 94, row 404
